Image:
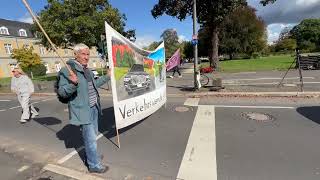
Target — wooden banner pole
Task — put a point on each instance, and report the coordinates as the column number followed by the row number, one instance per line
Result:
column 46, row 35
column 118, row 137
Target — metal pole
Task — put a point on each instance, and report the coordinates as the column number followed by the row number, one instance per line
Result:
column 195, row 47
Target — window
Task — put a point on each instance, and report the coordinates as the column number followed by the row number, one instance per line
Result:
column 58, row 67
column 42, row 50
column 23, row 32
column 65, row 51
column 47, row 68
column 4, row 30
column 8, row 48
column 26, row 46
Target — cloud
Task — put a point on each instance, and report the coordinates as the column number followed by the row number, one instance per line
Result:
column 26, row 18
column 275, row 29
column 146, row 40
column 182, row 38
column 287, row 11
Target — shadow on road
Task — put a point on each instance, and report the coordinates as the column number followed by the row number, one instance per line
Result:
column 72, row 137
column 107, row 124
column 47, row 121
column 311, row 112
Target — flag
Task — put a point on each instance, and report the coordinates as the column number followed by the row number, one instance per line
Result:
column 174, row 60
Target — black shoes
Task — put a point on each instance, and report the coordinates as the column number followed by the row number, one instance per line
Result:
column 101, row 170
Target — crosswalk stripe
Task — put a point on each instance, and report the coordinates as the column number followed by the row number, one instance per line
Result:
column 70, row 173
column 199, row 160
column 192, row 102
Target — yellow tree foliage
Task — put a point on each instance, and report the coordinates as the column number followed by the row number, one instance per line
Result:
column 26, row 57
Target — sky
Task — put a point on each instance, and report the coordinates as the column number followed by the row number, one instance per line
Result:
column 282, row 14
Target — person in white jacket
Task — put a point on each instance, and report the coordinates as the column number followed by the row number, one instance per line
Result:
column 22, row 85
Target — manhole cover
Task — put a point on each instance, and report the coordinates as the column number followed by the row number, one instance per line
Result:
column 181, row 109
column 260, row 117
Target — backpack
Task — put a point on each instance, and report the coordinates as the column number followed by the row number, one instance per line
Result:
column 56, row 88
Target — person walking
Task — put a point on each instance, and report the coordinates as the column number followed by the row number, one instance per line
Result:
column 176, row 69
column 22, row 85
column 81, row 89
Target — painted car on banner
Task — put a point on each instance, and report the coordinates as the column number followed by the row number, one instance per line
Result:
column 136, row 79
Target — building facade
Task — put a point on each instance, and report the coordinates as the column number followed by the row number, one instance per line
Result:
column 14, row 34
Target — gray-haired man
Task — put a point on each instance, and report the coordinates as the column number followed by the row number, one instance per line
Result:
column 84, row 104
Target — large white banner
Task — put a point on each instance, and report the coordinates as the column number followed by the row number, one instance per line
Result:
column 138, row 79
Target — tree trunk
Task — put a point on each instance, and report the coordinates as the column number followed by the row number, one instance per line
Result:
column 215, row 47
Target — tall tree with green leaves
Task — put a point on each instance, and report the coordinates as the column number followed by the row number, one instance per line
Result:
column 68, row 22
column 242, row 32
column 210, row 14
column 307, row 34
column 171, row 41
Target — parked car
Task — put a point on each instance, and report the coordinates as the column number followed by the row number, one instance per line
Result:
column 95, row 74
column 136, row 79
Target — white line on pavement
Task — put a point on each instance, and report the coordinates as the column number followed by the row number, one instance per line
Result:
column 271, row 83
column 4, row 100
column 256, row 107
column 192, row 102
column 23, row 168
column 15, row 107
column 270, row 78
column 71, row 173
column 68, row 156
column 199, row 160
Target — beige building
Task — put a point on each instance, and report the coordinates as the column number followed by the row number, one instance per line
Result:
column 14, row 34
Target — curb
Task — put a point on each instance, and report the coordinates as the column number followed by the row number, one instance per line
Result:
column 315, row 94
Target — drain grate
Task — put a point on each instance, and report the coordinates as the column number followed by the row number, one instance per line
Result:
column 181, row 109
column 259, row 117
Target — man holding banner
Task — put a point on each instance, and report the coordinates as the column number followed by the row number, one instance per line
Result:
column 174, row 63
column 81, row 90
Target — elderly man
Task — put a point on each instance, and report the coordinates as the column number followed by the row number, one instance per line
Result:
column 22, row 85
column 84, row 102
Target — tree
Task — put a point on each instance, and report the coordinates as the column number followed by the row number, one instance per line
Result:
column 285, row 45
column 153, row 46
column 242, row 32
column 210, row 15
column 171, row 41
column 307, row 34
column 187, row 50
column 68, row 22
column 29, row 61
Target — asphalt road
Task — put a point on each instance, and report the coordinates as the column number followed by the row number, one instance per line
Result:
column 242, row 139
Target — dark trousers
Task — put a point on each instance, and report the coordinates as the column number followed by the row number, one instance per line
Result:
column 176, row 69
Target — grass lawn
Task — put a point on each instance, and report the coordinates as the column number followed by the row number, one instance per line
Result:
column 261, row 64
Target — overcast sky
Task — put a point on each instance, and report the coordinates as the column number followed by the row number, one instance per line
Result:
column 285, row 13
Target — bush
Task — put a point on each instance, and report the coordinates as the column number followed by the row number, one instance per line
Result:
column 255, row 55
column 37, row 70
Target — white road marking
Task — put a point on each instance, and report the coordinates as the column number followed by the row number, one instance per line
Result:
column 256, row 107
column 267, row 78
column 4, row 100
column 192, row 102
column 23, row 168
column 74, row 152
column 15, row 107
column 71, row 173
column 199, row 160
